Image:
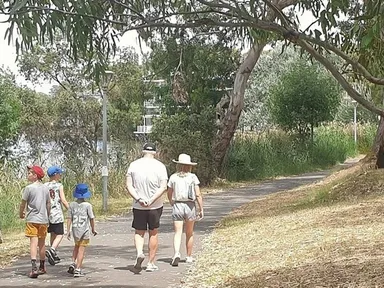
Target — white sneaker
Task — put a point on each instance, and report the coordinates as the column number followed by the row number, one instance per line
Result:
column 176, row 260
column 139, row 261
column 189, row 259
column 151, row 267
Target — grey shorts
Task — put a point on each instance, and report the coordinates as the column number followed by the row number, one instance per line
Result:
column 184, row 211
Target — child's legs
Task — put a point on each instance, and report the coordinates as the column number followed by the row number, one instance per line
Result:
column 41, row 244
column 189, row 236
column 56, row 240
column 41, row 234
column 74, row 253
column 57, row 233
column 80, row 256
column 52, row 238
column 178, row 225
column 32, row 232
column 33, row 242
column 79, row 252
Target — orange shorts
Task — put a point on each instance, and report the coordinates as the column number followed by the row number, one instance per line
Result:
column 82, row 242
column 36, row 230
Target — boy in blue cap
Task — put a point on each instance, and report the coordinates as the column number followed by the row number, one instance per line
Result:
column 56, row 216
column 82, row 220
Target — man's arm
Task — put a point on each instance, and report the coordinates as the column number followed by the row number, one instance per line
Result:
column 159, row 192
column 131, row 189
column 22, row 209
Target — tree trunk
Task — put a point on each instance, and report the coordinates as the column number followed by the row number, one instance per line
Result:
column 230, row 112
column 378, row 145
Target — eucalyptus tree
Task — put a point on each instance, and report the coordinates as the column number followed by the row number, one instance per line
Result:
column 93, row 27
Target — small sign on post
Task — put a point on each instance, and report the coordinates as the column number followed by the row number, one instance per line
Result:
column 104, row 171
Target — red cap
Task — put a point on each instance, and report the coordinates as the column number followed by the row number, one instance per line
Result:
column 37, row 170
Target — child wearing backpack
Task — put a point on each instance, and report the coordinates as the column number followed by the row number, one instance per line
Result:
column 183, row 193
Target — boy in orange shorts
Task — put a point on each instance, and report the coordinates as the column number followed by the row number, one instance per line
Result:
column 82, row 220
column 36, row 199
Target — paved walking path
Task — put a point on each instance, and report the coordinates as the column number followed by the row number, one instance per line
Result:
column 110, row 257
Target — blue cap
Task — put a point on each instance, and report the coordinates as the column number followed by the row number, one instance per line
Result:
column 53, row 170
column 81, row 191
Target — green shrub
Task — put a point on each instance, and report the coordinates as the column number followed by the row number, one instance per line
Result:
column 190, row 133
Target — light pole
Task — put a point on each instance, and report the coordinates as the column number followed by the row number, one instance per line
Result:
column 104, row 170
column 354, row 102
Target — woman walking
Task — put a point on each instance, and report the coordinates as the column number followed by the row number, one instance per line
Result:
column 183, row 193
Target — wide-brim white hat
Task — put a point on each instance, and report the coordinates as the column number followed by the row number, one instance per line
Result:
column 184, row 159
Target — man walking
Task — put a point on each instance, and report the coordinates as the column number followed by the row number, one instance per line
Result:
column 146, row 183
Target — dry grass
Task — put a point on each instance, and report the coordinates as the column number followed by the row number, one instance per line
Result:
column 301, row 239
column 14, row 245
column 116, row 206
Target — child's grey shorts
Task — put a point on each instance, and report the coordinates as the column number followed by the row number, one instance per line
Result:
column 184, row 211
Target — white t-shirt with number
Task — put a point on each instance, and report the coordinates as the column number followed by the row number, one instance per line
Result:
column 56, row 214
column 80, row 214
column 147, row 175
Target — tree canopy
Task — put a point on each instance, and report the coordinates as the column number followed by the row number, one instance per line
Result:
column 93, row 27
column 10, row 111
column 349, row 30
column 304, row 97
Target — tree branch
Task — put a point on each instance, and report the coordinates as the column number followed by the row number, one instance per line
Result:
column 355, row 64
column 339, row 77
column 326, row 45
column 195, row 24
column 29, row 9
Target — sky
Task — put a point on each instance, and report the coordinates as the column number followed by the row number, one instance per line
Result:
column 8, row 56
column 8, row 52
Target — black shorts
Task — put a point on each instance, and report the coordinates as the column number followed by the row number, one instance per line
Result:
column 146, row 219
column 57, row 228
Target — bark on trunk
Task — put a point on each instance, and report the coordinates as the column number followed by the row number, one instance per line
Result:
column 378, row 145
column 229, row 118
column 230, row 110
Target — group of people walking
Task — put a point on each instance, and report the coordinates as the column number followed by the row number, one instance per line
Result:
column 41, row 206
column 147, row 181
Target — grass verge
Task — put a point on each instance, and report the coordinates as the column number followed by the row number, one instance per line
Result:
column 324, row 235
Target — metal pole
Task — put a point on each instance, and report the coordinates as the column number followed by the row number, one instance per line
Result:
column 104, row 169
column 355, row 122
